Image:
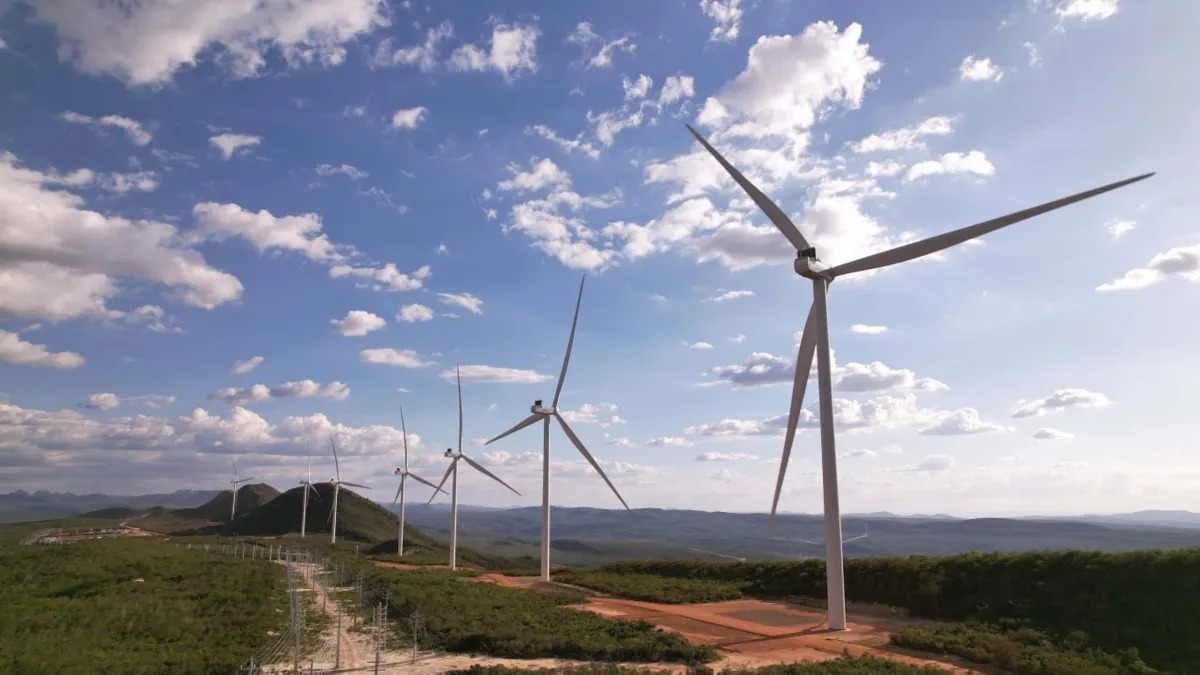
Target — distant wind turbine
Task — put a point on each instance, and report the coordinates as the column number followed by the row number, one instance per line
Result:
column 405, row 473
column 337, row 484
column 308, row 486
column 452, row 474
column 815, row 340
column 543, row 414
column 235, row 482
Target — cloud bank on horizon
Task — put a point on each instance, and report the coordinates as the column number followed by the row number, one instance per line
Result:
column 239, row 231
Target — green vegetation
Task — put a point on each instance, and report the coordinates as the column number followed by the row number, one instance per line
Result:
column 1143, row 599
column 652, row 588
column 861, row 665
column 461, row 615
column 133, row 605
column 1022, row 651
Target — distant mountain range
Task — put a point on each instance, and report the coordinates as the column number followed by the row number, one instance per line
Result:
column 21, row 505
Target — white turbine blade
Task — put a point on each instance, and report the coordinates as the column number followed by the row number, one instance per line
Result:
column 588, row 456
column 398, row 489
column 437, row 488
column 942, row 241
column 519, row 426
column 479, row 467
column 246, row 480
column 562, row 375
column 458, row 378
column 337, row 469
column 777, row 216
column 309, row 486
column 365, row 487
column 404, row 431
column 804, row 359
column 235, row 473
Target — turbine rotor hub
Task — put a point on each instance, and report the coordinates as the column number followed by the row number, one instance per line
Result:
column 808, row 265
column 539, row 409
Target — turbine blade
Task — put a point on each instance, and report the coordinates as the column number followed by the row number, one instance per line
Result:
column 404, row 430
column 315, row 492
column 777, row 216
column 399, row 489
column 943, row 241
column 458, row 378
column 246, row 480
column 562, row 375
column 235, row 473
column 588, row 456
column 365, row 487
column 479, row 467
column 308, row 449
column 437, row 488
column 439, row 485
column 804, row 359
column 519, row 426
column 337, row 470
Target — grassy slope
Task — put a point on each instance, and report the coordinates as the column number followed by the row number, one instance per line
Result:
column 77, row 608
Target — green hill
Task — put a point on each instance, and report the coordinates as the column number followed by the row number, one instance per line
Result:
column 250, row 498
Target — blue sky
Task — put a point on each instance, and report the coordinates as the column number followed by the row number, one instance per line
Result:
column 351, row 197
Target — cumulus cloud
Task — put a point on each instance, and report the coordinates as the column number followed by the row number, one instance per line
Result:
column 387, row 278
column 975, row 69
column 232, row 144
column 594, row 413
column 884, row 169
column 477, row 373
column 730, row 295
column 423, row 56
column 725, row 457
column 1119, row 227
column 409, row 118
column 904, row 138
column 597, row 52
column 404, row 358
column 247, row 366
column 61, row 260
column 148, row 43
column 669, row 442
column 357, row 323
column 348, row 170
column 867, row 329
column 1182, row 263
column 103, row 401
column 884, row 412
column 637, row 88
column 542, row 173
column 265, row 231
column 15, row 351
column 1047, row 434
column 952, row 162
column 933, row 463
column 132, row 128
column 960, row 422
column 763, row 368
column 1060, row 400
column 259, row 393
column 414, row 313
column 568, row 145
column 728, row 16
column 512, row 52
column 698, row 345
column 1086, row 10
column 465, row 300
column 109, row 401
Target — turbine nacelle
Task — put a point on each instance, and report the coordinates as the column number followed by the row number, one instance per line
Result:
column 451, row 454
column 809, row 266
column 538, row 409
column 400, row 472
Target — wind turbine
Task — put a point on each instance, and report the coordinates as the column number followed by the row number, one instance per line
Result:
column 452, row 474
column 543, row 413
column 405, row 473
column 815, row 339
column 235, row 482
column 308, row 486
column 337, row 484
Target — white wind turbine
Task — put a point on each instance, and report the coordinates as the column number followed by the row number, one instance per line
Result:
column 308, row 486
column 543, row 413
column 815, row 339
column 337, row 484
column 405, row 473
column 452, row 474
column 235, row 482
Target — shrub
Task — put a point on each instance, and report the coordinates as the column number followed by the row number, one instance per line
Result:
column 652, row 588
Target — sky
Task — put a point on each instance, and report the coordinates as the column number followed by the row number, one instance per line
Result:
column 234, row 230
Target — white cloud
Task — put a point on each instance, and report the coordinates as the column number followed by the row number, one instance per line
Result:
column 414, row 313
column 265, row 231
column 1060, row 400
column 404, row 358
column 109, row 401
column 698, row 345
column 933, row 463
column 730, row 295
column 357, row 323
column 961, row 421
column 15, row 351
column 132, row 128
column 104, row 401
column 1182, row 262
column 259, row 393
column 586, row 38
column 231, row 144
column 568, row 145
column 676, row 88
column 865, row 329
column 409, row 118
column 1086, row 10
column 738, row 339
column 635, row 89
column 1035, row 56
column 475, row 373
column 860, row 452
column 884, row 169
column 423, row 56
column 725, row 457
column 442, row 249
column 604, row 57
column 905, row 138
column 142, row 181
column 728, row 16
column 1047, row 434
column 762, row 368
column 60, row 259
column 347, row 170
column 354, row 110
column 513, row 51
column 975, row 69
column 952, row 162
column 465, row 300
column 883, row 412
column 542, row 173
column 1119, row 227
column 669, row 442
column 594, row 413
column 247, row 366
column 387, row 278
column 147, row 43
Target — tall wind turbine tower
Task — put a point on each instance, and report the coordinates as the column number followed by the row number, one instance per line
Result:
column 815, row 340
column 235, row 482
column 405, row 473
column 308, row 487
column 545, row 414
column 452, row 474
column 337, row 484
